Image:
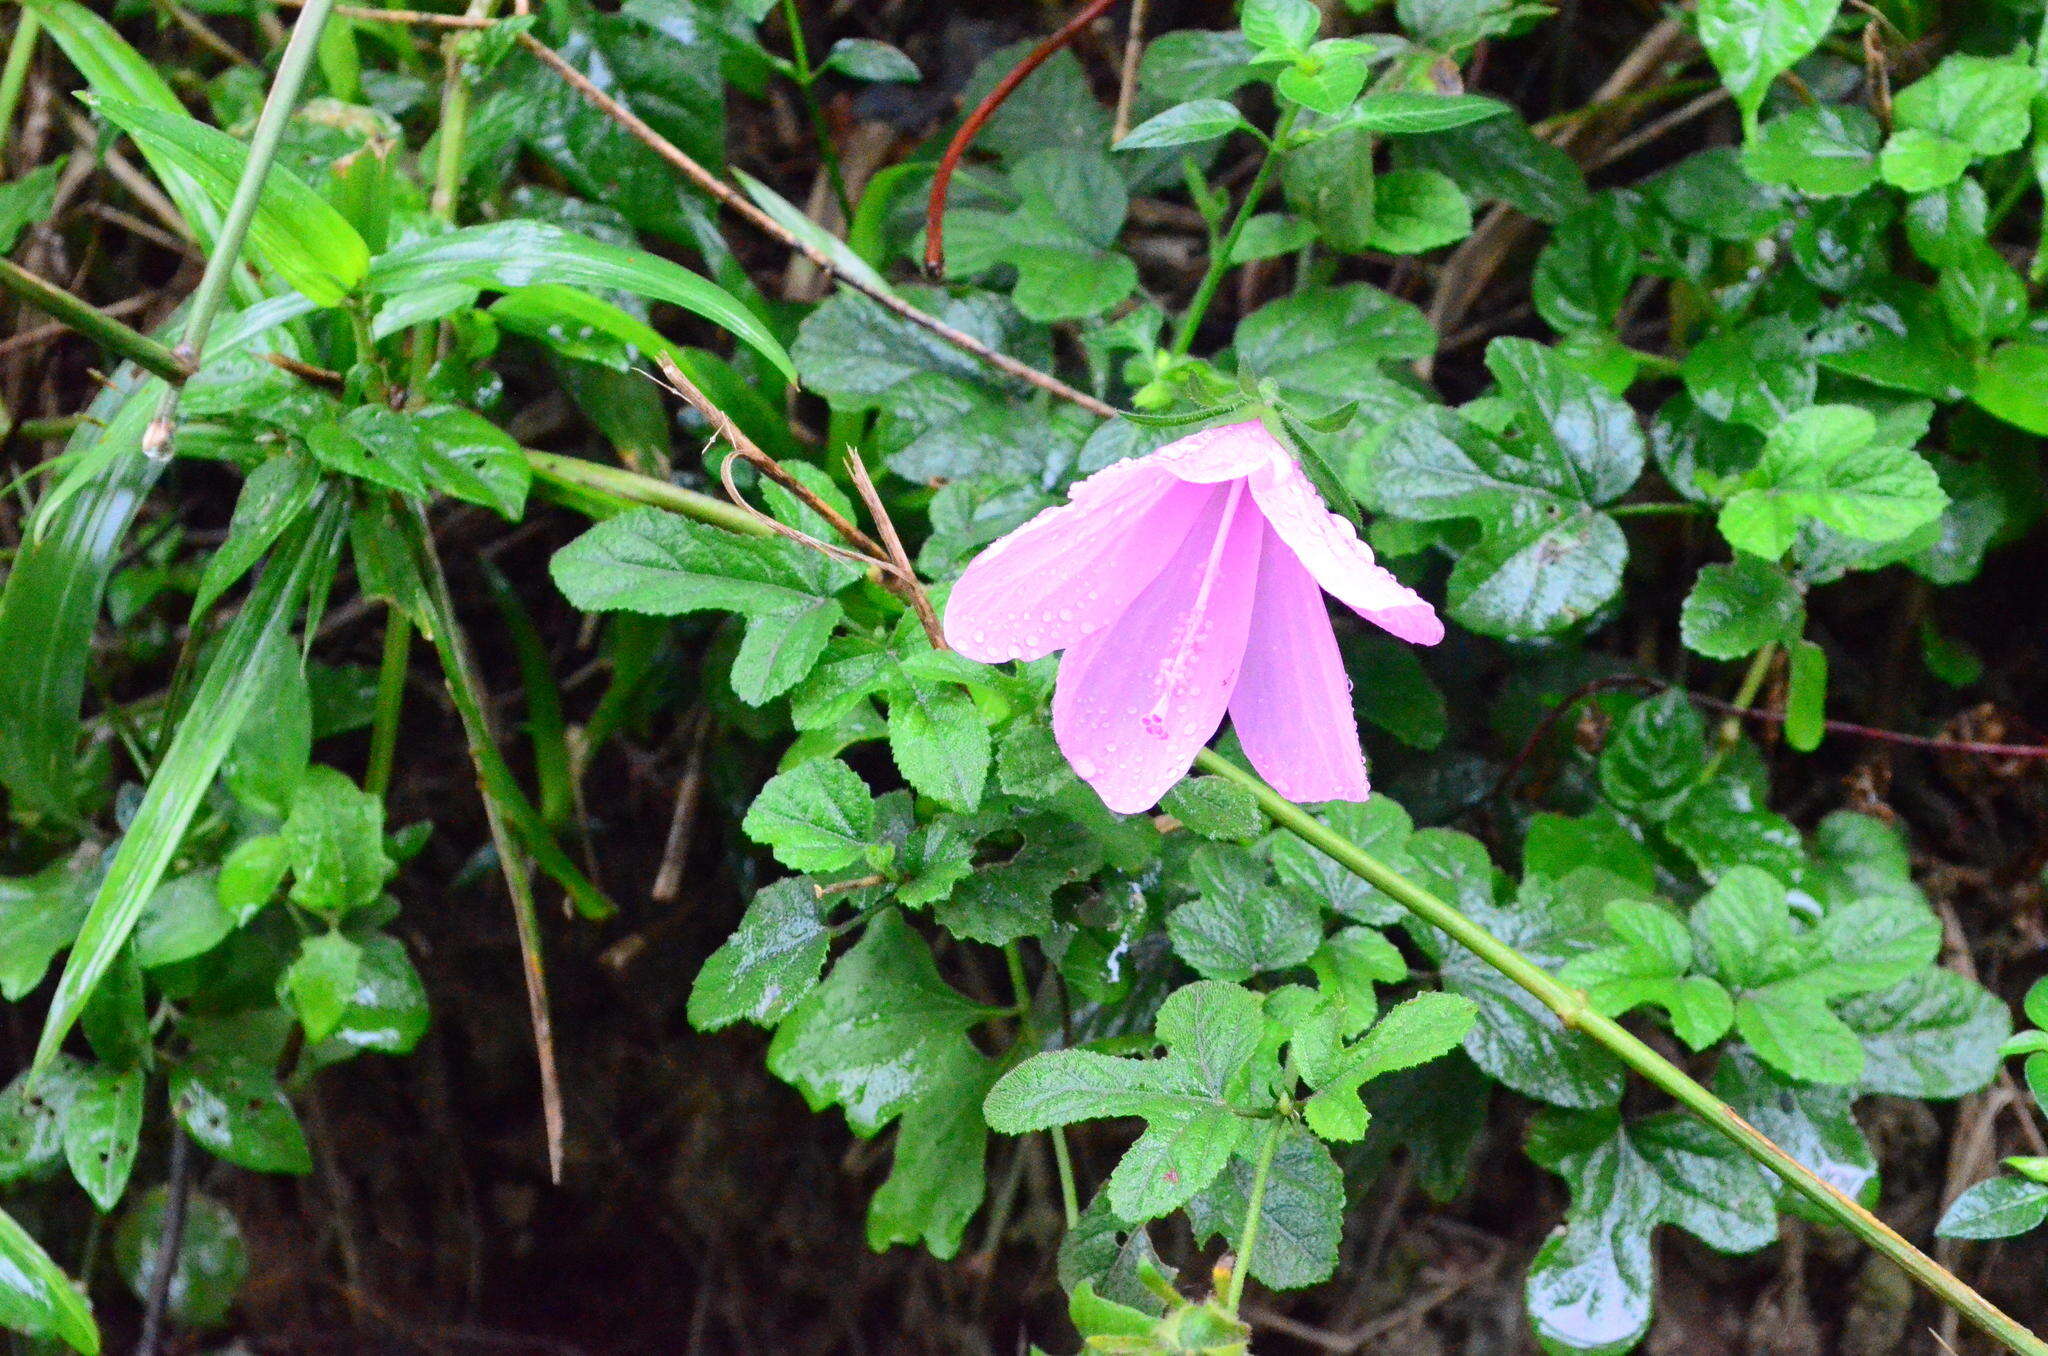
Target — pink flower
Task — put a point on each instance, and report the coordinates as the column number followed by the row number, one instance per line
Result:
column 1180, row 585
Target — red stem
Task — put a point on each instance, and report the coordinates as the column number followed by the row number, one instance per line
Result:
column 935, row 210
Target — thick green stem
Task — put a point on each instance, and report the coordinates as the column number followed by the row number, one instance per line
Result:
column 1070, row 1199
column 613, row 490
column 1571, row 1008
column 220, row 265
column 1219, row 257
column 1731, row 727
column 1655, row 510
column 155, row 358
column 390, row 701
column 1255, row 1206
column 21, row 49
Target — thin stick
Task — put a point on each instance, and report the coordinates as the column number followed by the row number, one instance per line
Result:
column 668, row 881
column 919, row 601
column 742, row 205
column 170, row 1241
column 1127, row 80
column 399, row 16
column 747, row 449
column 935, row 206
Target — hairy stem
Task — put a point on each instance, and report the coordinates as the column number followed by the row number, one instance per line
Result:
column 1255, row 1206
column 1219, row 256
column 1571, row 1008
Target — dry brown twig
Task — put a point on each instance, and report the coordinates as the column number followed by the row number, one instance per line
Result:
column 889, row 562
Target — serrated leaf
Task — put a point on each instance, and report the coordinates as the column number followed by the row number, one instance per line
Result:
column 1737, row 608
column 818, row 816
column 767, row 966
column 940, row 742
column 1301, row 1219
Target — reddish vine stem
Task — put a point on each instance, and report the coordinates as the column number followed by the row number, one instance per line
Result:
column 935, row 209
column 1931, row 743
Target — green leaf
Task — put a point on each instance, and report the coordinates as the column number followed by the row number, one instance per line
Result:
column 116, row 70
column 876, row 1061
column 818, row 816
column 866, row 59
column 1539, row 577
column 1328, row 183
column 1590, row 1287
column 1752, row 42
column 184, row 918
column 1416, row 210
column 1806, row 691
column 506, row 255
column 940, row 742
column 1215, row 807
column 295, row 233
column 1647, row 965
column 663, row 564
column 1324, row 346
column 1969, row 107
column 1792, row 1030
column 1654, row 756
column 1381, row 827
column 768, row 965
column 2012, row 383
column 51, row 600
column 1189, row 64
column 938, row 1175
column 1211, row 1033
column 320, row 981
column 211, row 1263
column 1301, row 1217
column 1185, row 124
column 781, row 648
column 1759, row 373
column 36, row 1297
column 1325, row 78
column 1829, row 463
column 386, row 1009
column 1583, row 276
column 1425, row 1027
column 1280, row 27
column 221, row 702
column 1240, row 925
column 233, row 1107
column 39, row 915
column 334, row 837
column 1811, row 1122
column 790, row 217
column 1824, row 151
column 101, row 1131
column 1998, row 1208
column 1516, row 1039
column 1736, row 609
column 1933, row 1035
column 1500, row 158
column 1407, row 112
column 1720, row 826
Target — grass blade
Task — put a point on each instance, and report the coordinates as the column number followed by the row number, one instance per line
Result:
column 215, row 716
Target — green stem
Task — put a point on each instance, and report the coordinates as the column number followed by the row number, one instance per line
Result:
column 21, row 48
column 390, row 701
column 615, row 490
column 1219, row 256
column 1571, row 1008
column 227, row 249
column 1255, row 1207
column 607, row 490
column 1653, row 510
column 800, row 57
column 1655, row 363
column 156, row 358
column 1731, row 725
column 1070, row 1200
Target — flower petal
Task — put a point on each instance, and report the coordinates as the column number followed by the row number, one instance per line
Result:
column 1226, row 452
column 1137, row 699
column 1328, row 546
column 1072, row 570
column 1292, row 706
